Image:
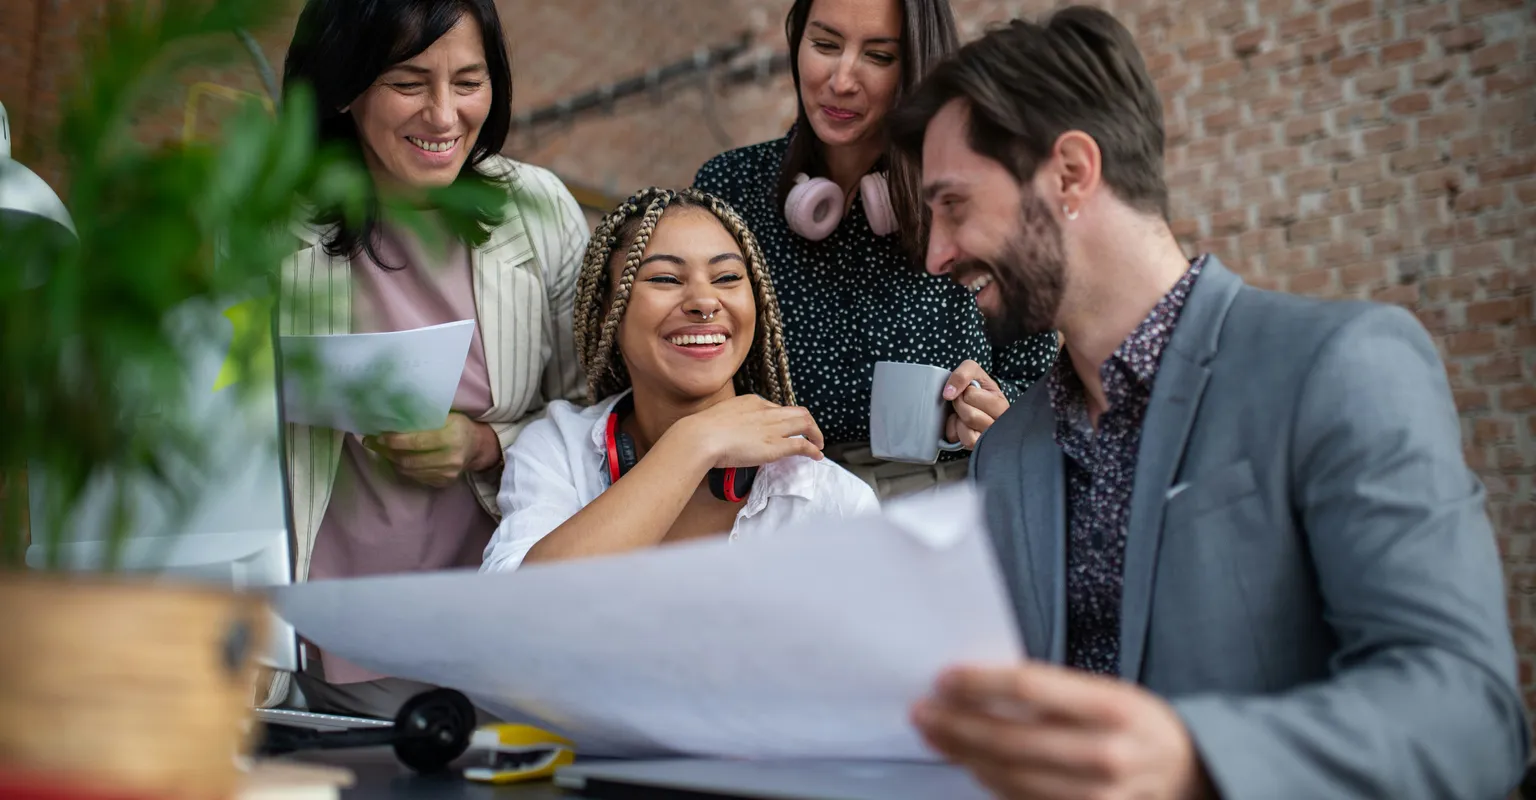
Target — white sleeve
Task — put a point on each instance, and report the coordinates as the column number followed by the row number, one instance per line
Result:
column 538, row 494
column 843, row 493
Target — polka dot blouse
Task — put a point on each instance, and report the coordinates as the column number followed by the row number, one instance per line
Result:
column 855, row 298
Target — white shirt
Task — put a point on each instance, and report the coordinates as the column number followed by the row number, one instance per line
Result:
column 558, row 465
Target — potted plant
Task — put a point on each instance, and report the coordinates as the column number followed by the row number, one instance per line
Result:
column 112, row 681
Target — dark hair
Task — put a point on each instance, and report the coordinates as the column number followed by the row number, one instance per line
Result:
column 928, row 35
column 626, row 231
column 1028, row 83
column 340, row 47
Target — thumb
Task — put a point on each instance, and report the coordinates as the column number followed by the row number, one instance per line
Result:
column 958, row 381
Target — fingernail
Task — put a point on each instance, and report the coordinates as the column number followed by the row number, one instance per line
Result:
column 949, row 392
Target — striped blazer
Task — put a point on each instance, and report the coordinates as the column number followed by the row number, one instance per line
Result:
column 525, row 287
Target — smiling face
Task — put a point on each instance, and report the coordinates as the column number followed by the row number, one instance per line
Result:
column 420, row 119
column 989, row 234
column 691, row 316
column 850, row 68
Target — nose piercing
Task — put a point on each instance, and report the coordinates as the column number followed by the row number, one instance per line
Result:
column 703, row 316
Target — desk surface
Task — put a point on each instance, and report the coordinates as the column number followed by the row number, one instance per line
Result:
column 380, row 776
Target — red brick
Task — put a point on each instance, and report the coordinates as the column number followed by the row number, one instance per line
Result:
column 1301, row 27
column 1517, row 398
column 1409, row 104
column 1476, row 146
column 1362, row 170
column 1348, row 251
column 1416, row 159
column 1525, row 192
column 1336, row 149
column 1249, row 42
column 1222, row 121
column 1271, row 109
column 1185, row 228
column 1433, row 73
column 1386, row 140
column 1525, row 336
column 1226, row 223
column 1515, row 79
column 1406, row 296
column 1305, row 129
column 1350, row 65
column 1321, row 48
column 1401, row 51
column 1316, row 282
column 1206, row 50
column 1356, row 115
column 1368, row 274
column 1311, row 231
column 1509, row 168
column 1436, row 17
column 1351, row 12
column 1274, row 58
column 1499, row 312
column 1253, row 138
column 1221, row 73
column 1469, row 400
column 1371, row 33
column 1471, row 9
column 1466, row 37
column 1226, row 18
column 1441, row 126
column 1489, row 59
column 1433, row 319
column 1327, row 95
column 1365, row 222
column 1380, row 193
column 1276, row 160
column 1486, row 431
column 1477, row 200
column 1481, row 255
column 1471, row 343
column 1379, row 82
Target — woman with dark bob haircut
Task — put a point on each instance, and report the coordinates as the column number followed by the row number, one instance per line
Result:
column 421, row 92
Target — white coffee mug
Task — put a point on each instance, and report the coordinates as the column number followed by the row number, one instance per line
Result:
column 907, row 410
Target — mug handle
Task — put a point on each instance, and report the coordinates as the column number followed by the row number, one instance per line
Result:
column 945, row 444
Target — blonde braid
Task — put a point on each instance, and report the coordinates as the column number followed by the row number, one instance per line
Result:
column 614, row 378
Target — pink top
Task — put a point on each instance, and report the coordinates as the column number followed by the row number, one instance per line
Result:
column 376, row 522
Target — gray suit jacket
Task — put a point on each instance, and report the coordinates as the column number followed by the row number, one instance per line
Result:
column 1310, row 574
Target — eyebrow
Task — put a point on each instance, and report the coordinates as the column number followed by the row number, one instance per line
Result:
column 415, row 70
column 671, row 259
column 835, row 32
column 931, row 190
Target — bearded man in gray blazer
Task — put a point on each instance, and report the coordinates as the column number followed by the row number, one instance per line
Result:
column 1246, row 554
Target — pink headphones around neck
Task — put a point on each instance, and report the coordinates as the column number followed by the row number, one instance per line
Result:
column 815, row 206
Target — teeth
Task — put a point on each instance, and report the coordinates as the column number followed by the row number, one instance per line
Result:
column 433, row 147
column 978, row 283
column 705, row 339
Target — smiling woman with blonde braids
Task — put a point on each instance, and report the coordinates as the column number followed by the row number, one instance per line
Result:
column 693, row 429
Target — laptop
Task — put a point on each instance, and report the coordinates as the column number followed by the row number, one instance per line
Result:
column 772, row 779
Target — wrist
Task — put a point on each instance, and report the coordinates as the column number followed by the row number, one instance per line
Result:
column 485, row 448
column 688, row 452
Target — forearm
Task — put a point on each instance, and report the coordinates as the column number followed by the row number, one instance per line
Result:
column 635, row 512
column 1415, row 722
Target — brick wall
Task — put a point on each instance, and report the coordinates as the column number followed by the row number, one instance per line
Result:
column 1360, row 148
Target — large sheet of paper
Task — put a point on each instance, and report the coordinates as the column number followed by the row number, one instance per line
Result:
column 369, row 383
column 811, row 642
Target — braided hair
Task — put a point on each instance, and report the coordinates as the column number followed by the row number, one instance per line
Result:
column 627, row 230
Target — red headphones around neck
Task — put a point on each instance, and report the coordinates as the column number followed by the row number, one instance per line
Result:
column 731, row 484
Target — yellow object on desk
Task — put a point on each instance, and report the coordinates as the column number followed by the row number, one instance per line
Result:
column 516, row 753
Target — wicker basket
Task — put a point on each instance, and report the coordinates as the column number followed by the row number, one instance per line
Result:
column 133, row 687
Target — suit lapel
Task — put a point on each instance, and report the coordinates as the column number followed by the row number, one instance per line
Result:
column 495, row 298
column 1041, row 518
column 1182, row 375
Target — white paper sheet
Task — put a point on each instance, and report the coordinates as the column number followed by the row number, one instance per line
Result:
column 812, row 642
column 370, row 383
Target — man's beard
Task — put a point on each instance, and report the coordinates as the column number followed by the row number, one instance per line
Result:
column 1029, row 273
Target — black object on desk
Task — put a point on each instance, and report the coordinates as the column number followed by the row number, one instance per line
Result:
column 430, row 732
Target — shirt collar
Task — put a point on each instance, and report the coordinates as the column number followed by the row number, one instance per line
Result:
column 786, row 477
